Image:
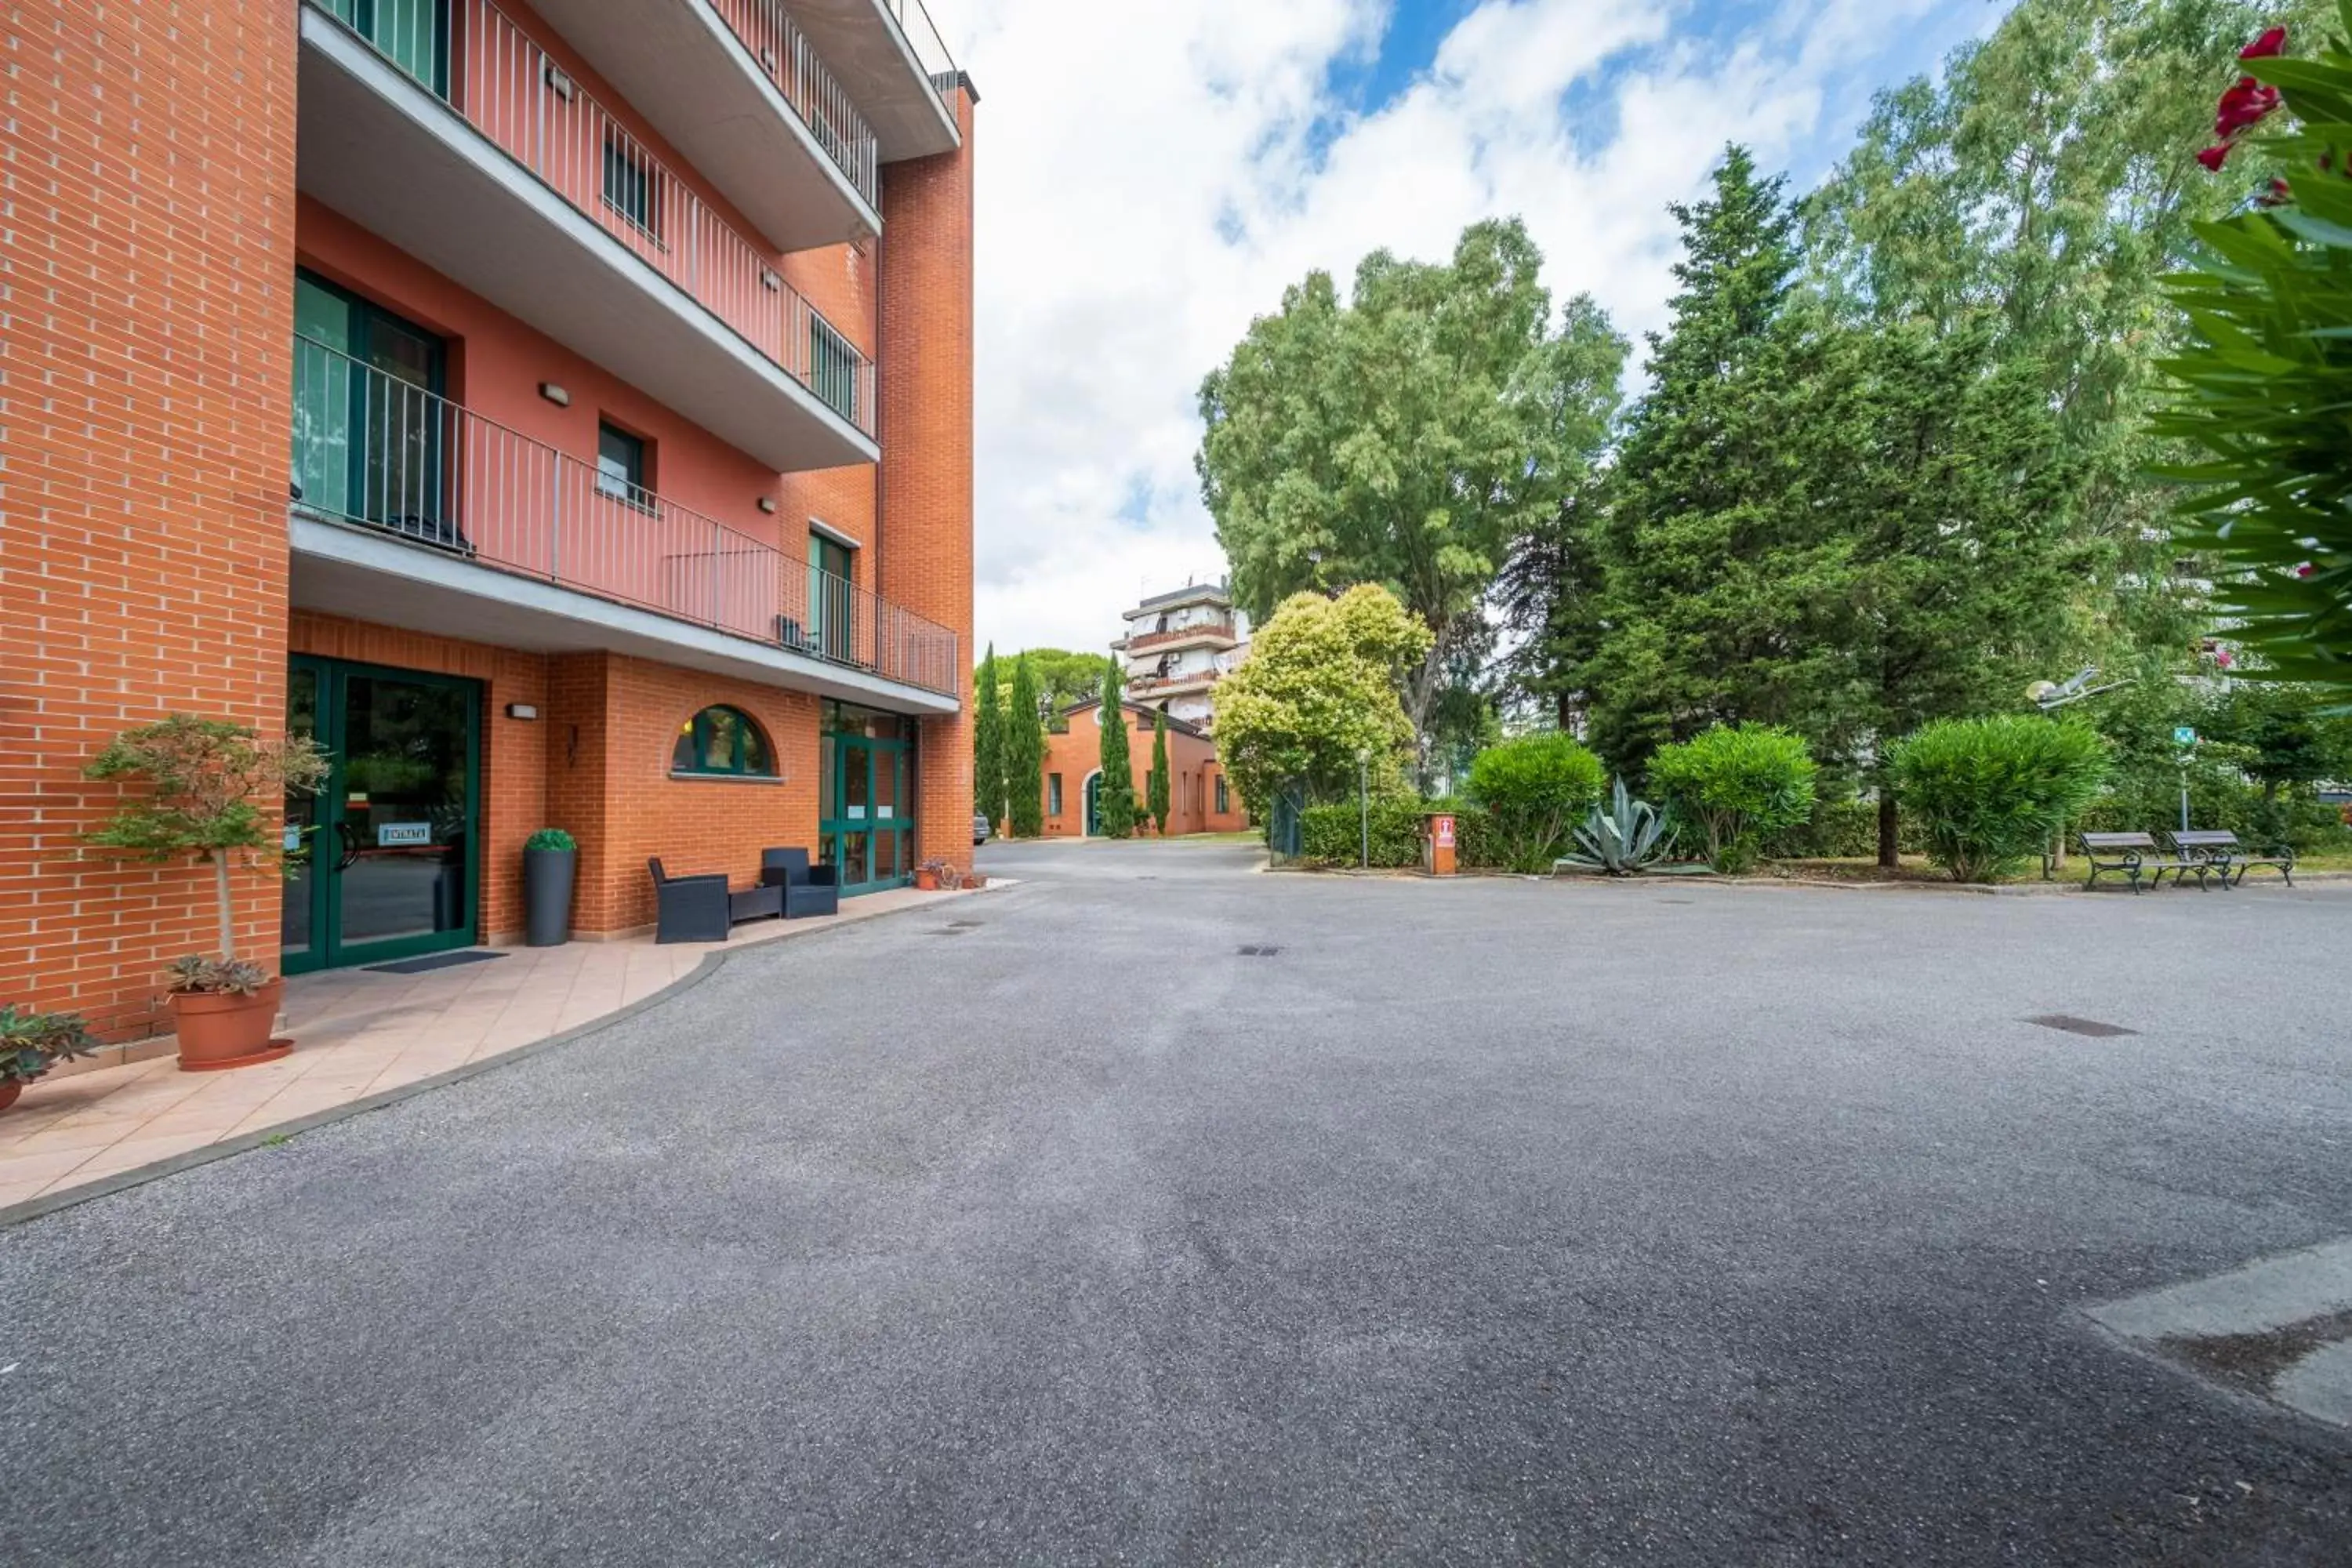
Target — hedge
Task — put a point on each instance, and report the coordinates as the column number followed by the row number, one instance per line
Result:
column 1333, row 835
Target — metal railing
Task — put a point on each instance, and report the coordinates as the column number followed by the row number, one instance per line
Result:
column 1214, row 629
column 371, row 448
column 776, row 44
column 930, row 49
column 508, row 88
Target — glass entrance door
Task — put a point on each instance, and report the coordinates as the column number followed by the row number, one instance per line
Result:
column 384, row 857
column 865, row 812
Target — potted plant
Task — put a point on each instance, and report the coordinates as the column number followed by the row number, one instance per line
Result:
column 550, row 864
column 207, row 780
column 32, row 1043
column 937, row 876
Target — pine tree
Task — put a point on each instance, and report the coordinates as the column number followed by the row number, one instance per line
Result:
column 988, row 744
column 1025, row 729
column 1116, row 803
column 1156, row 785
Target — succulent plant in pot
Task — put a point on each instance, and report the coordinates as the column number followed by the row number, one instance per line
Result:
column 200, row 786
column 31, row 1043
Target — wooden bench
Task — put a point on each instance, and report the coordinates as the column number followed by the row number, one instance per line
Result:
column 2217, row 849
column 2128, row 855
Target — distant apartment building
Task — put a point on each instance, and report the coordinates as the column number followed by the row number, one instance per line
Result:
column 1200, row 799
column 1176, row 646
column 560, row 409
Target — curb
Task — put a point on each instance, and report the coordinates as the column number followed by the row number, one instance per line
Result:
column 34, row 1208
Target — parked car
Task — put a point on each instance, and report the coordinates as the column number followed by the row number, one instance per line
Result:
column 980, row 829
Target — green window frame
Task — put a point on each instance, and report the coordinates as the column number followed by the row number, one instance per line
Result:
column 1224, row 801
column 1053, row 795
column 724, row 743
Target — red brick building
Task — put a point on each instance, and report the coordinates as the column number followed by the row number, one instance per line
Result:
column 1200, row 799
column 562, row 410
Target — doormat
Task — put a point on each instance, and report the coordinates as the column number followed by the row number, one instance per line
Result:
column 431, row 961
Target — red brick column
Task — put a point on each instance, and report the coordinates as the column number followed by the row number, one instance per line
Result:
column 925, row 373
column 147, row 270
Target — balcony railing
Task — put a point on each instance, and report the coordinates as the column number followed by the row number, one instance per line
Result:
column 775, row 43
column 508, row 88
column 930, row 49
column 371, row 448
column 1216, row 629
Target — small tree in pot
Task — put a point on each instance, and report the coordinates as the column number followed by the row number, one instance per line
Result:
column 205, row 782
column 550, row 860
column 32, row 1043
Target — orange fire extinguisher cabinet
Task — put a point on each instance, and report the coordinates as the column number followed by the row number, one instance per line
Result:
column 1437, row 843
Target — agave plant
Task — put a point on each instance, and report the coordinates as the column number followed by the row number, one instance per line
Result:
column 1629, row 836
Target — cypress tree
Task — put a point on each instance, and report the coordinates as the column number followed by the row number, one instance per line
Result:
column 1117, row 803
column 988, row 744
column 1156, row 786
column 1025, row 729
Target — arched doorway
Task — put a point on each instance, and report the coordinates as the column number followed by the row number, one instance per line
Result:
column 1094, row 804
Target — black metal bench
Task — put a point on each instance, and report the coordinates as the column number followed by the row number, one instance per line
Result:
column 2217, row 849
column 2131, row 856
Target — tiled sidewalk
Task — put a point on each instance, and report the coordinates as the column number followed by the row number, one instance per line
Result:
column 357, row 1033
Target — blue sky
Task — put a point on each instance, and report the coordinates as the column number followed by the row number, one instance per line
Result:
column 1151, row 175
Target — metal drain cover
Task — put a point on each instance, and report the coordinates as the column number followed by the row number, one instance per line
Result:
column 1256, row 952
column 2073, row 1025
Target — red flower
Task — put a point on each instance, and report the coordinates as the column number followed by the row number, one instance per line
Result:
column 2278, row 195
column 2212, row 157
column 2271, row 42
column 2306, row 570
column 2244, row 104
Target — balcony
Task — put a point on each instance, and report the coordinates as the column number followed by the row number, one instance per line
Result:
column 413, row 509
column 895, row 65
column 471, row 149
column 740, row 91
column 1184, row 683
column 1212, row 634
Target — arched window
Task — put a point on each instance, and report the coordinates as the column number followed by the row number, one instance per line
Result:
column 723, row 742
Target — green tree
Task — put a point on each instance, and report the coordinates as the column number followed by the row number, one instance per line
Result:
column 1155, row 789
column 1116, row 802
column 1063, row 679
column 1406, row 436
column 1321, row 684
column 988, row 773
column 1025, row 749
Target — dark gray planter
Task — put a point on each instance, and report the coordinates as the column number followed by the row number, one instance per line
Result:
column 547, row 878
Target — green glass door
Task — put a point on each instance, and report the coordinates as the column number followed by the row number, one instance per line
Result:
column 385, row 859
column 413, row 34
column 1094, row 806
column 865, row 812
column 833, row 610
column 369, row 415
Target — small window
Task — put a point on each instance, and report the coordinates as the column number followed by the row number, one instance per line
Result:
column 1224, row 801
column 722, row 742
column 620, row 465
column 629, row 183
column 1053, row 795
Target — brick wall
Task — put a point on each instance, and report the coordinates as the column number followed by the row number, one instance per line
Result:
column 1192, row 773
column 925, row 365
column 146, row 258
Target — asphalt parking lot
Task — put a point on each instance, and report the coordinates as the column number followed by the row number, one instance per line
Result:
column 1474, row 1222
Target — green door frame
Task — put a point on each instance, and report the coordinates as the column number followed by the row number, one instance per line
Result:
column 327, row 949
column 899, row 754
column 1094, row 804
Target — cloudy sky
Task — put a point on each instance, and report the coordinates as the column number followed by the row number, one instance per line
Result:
column 1153, row 173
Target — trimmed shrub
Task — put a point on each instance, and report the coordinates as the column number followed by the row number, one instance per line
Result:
column 1741, row 782
column 1843, row 829
column 1534, row 789
column 1991, row 793
column 1333, row 835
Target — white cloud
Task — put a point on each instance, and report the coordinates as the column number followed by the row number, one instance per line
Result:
column 1152, row 175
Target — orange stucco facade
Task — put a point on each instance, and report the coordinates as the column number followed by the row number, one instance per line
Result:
column 1074, row 756
column 157, row 226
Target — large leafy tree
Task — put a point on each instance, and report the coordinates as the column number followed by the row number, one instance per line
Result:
column 1116, row 802
column 1024, row 751
column 988, row 773
column 1321, row 686
column 1406, row 435
column 1063, row 679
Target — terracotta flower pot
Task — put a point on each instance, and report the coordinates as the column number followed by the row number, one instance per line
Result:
column 222, row 1029
column 10, row 1087
column 926, row 881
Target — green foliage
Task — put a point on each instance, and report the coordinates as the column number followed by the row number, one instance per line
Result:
column 1624, row 838
column 1743, row 781
column 1333, row 835
column 31, row 1043
column 1322, row 684
column 1406, row 436
column 1992, row 794
column 1534, row 789
column 550, row 838
column 1024, row 751
column 988, row 770
column 1116, row 803
column 1839, row 829
column 213, row 789
column 214, row 976
column 1155, row 784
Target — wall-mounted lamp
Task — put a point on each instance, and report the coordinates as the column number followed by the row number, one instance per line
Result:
column 522, row 711
column 555, row 395
column 768, row 505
